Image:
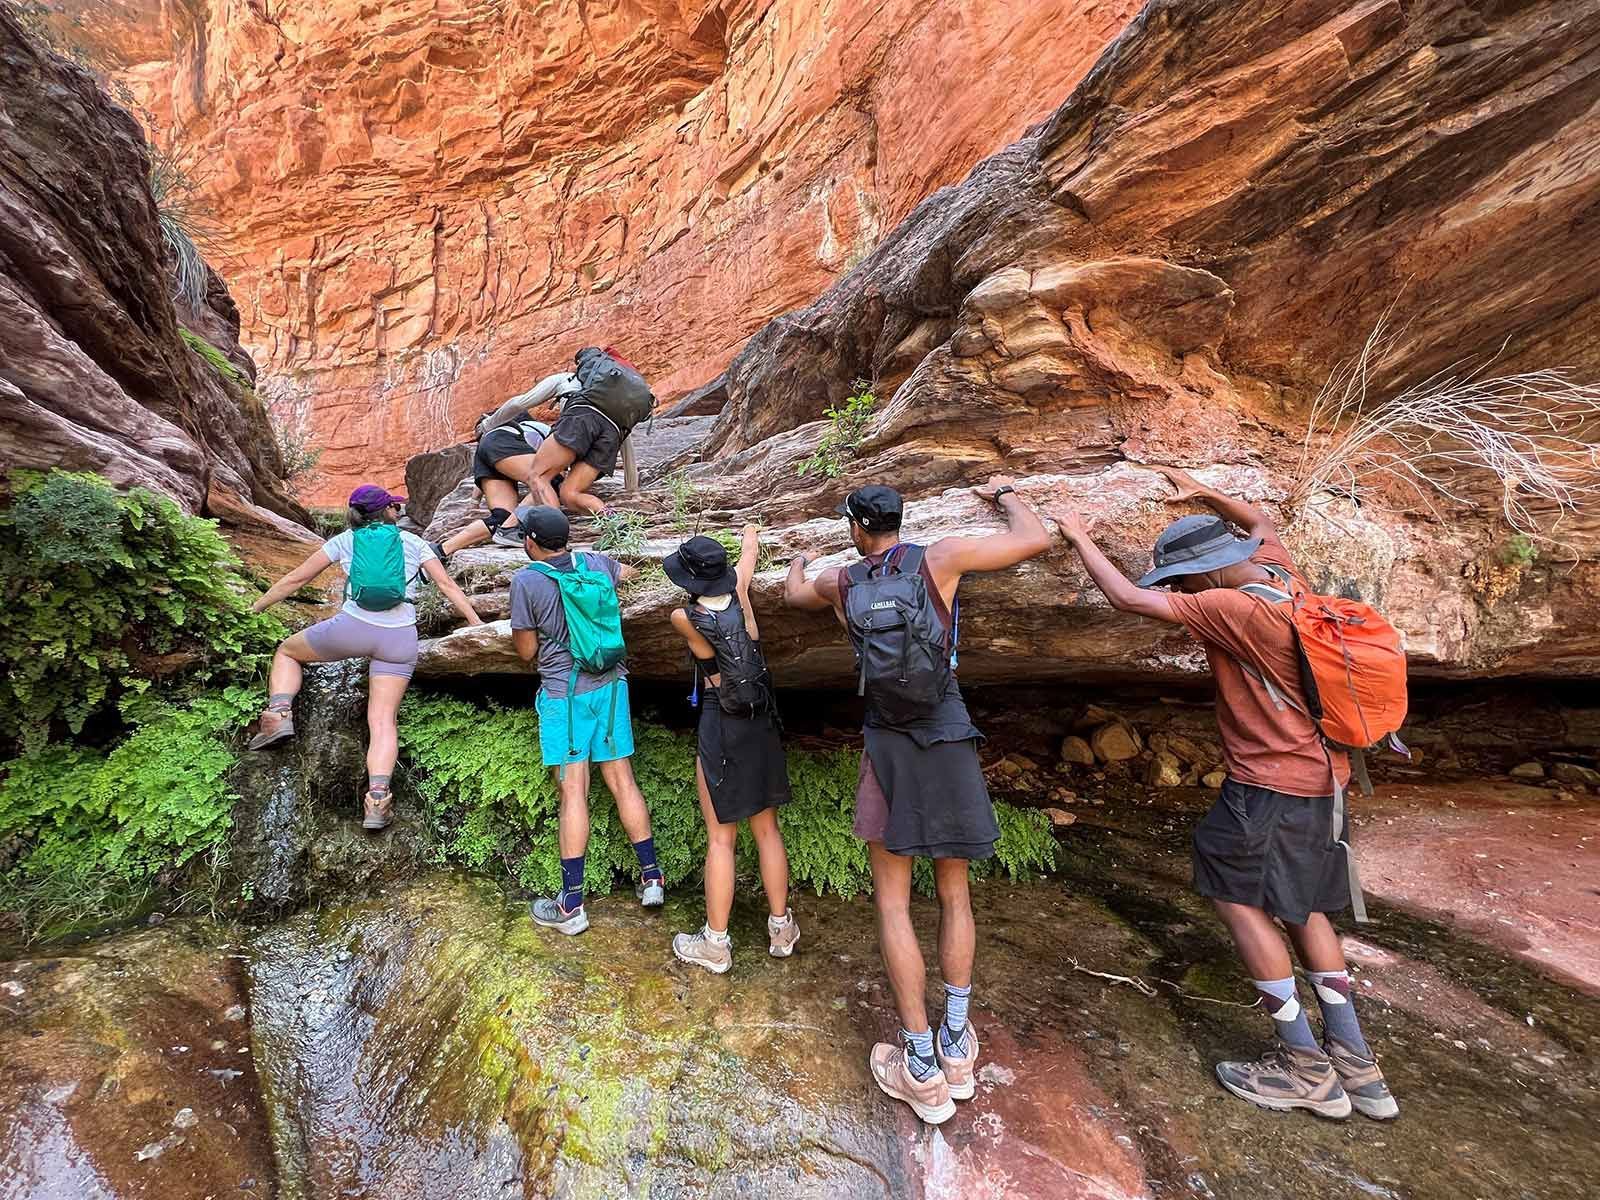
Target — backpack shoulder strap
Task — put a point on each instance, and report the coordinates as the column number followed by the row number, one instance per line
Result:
column 858, row 572
column 1265, row 591
column 910, row 562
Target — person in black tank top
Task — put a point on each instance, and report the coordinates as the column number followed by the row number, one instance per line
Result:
column 740, row 769
column 921, row 792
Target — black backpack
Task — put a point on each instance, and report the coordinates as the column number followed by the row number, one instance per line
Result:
column 899, row 639
column 613, row 388
column 746, row 687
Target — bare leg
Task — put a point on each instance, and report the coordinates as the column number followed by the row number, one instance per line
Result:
column 1317, row 945
column 384, row 693
column 286, row 676
column 1259, row 943
column 774, row 860
column 575, row 489
column 957, row 934
column 497, row 493
column 902, row 957
column 551, row 459
column 631, row 808
column 719, row 858
column 573, row 833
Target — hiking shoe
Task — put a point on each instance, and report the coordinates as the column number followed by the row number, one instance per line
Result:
column 1362, row 1082
column 551, row 915
column 703, row 950
column 1287, row 1077
column 377, row 809
column 507, row 537
column 782, row 934
column 960, row 1069
column 652, row 892
column 273, row 728
column 438, row 550
column 929, row 1098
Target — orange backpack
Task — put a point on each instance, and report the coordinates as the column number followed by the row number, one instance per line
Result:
column 1352, row 685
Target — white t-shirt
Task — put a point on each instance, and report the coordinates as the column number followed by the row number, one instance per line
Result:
column 339, row 549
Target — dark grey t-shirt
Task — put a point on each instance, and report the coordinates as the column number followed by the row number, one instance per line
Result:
column 536, row 605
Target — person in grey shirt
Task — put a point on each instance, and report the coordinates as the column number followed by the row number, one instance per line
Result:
column 583, row 718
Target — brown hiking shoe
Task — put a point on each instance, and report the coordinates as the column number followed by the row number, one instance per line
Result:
column 782, row 934
column 1287, row 1077
column 703, row 950
column 1362, row 1082
column 959, row 1069
column 929, row 1098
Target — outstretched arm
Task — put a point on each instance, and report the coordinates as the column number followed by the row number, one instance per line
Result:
column 1025, row 536
column 434, row 570
column 315, row 564
column 1246, row 516
column 1124, row 594
column 813, row 595
column 749, row 551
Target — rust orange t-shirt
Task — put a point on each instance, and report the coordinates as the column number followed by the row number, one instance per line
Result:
column 1263, row 745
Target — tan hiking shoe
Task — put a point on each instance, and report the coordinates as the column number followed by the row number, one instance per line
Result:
column 960, row 1070
column 1287, row 1077
column 782, row 935
column 1362, row 1082
column 928, row 1098
column 703, row 950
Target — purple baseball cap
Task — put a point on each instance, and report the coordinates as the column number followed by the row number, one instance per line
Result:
column 369, row 498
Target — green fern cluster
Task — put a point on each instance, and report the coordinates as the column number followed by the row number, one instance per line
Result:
column 100, row 591
column 847, row 429
column 493, row 806
column 86, row 833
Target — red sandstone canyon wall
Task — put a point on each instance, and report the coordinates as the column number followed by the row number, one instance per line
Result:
column 430, row 205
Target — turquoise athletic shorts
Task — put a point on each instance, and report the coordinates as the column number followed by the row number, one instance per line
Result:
column 601, row 729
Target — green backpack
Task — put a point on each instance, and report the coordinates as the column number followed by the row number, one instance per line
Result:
column 594, row 618
column 376, row 579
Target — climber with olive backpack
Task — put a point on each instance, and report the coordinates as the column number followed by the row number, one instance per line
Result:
column 611, row 399
column 1300, row 679
column 565, row 613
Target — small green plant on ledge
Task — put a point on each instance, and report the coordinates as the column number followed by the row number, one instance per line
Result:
column 619, row 533
column 847, row 428
column 215, row 358
column 1518, row 550
column 681, row 491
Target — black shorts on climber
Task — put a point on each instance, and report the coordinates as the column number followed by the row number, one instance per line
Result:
column 1275, row 846
column 921, row 792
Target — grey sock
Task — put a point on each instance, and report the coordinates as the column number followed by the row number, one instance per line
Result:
column 280, row 702
column 377, row 781
column 1338, row 1009
column 1279, row 999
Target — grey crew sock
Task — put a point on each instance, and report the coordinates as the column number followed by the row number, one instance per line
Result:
column 377, row 781
column 920, row 1053
column 280, row 702
column 1338, row 1009
column 1278, row 998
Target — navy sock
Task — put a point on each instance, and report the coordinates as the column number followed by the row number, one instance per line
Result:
column 1338, row 1009
column 571, row 897
column 645, row 852
column 920, row 1053
column 1278, row 998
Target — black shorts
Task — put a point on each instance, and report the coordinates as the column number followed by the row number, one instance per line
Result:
column 493, row 448
column 590, row 435
column 1271, row 851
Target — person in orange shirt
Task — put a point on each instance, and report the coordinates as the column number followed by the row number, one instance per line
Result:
column 1266, row 849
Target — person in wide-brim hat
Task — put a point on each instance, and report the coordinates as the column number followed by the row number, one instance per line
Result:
column 1195, row 546
column 700, row 567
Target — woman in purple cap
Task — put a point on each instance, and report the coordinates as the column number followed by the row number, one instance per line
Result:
column 378, row 622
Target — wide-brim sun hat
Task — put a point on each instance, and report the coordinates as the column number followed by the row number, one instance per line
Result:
column 1194, row 545
column 700, row 567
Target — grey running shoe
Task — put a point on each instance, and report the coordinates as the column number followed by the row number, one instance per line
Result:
column 1362, row 1082
column 782, row 934
column 507, row 537
column 703, row 950
column 551, row 915
column 438, row 550
column 960, row 1069
column 652, row 894
column 1287, row 1077
column 929, row 1098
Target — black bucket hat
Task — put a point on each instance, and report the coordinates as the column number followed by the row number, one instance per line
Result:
column 700, row 567
column 1194, row 545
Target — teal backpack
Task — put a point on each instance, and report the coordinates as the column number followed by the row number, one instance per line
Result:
column 594, row 628
column 376, row 579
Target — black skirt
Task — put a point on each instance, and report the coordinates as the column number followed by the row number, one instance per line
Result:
column 1271, row 851
column 742, row 757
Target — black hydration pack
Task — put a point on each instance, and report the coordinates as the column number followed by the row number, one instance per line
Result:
column 901, row 648
column 746, row 687
column 612, row 387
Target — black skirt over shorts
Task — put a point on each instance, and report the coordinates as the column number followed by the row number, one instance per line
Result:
column 743, row 760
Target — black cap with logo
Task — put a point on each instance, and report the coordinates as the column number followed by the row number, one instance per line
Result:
column 876, row 508
column 545, row 525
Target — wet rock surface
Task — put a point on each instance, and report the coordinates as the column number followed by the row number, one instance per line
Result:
column 429, row 1041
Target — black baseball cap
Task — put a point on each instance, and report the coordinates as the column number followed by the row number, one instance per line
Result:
column 876, row 508
column 545, row 525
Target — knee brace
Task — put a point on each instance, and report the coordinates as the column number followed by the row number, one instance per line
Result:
column 496, row 518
